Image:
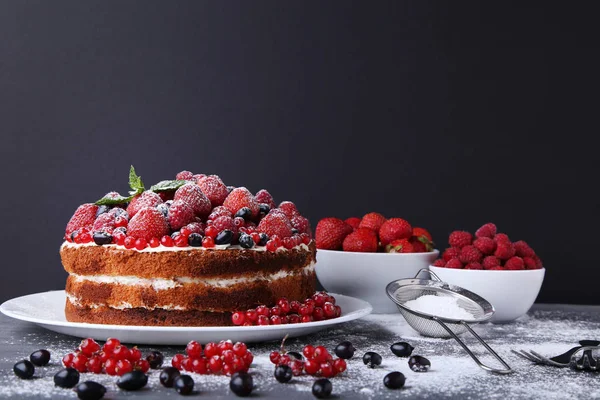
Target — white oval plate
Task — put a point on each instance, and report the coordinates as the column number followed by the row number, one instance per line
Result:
column 47, row 310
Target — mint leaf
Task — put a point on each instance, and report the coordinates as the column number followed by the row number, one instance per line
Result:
column 163, row 186
column 110, row 200
column 135, row 182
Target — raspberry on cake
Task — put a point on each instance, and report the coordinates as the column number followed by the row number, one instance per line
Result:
column 182, row 262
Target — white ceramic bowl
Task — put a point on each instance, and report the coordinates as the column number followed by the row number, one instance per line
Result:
column 512, row 293
column 365, row 275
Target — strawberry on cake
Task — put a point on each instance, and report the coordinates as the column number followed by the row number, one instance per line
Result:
column 186, row 252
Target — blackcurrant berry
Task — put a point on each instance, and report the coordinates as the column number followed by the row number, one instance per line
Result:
column 66, row 378
column 195, row 239
column 394, row 380
column 372, row 359
column 40, row 358
column 164, row 209
column 24, row 369
column 294, row 354
column 264, row 238
column 155, row 359
column 101, row 238
column 244, row 212
column 264, row 209
column 90, row 390
column 402, row 349
column 283, row 373
column 344, row 350
column 167, row 376
column 419, row 364
column 102, row 209
column 322, row 388
column 241, row 384
column 246, row 241
column 224, row 237
column 133, row 380
column 184, row 384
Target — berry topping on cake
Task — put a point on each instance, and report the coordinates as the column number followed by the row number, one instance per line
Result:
column 394, row 229
column 214, row 188
column 241, row 198
column 104, row 223
column 289, row 209
column 275, row 223
column 84, row 217
column 372, row 221
column 193, row 195
column 362, row 240
column 180, row 214
column 147, row 223
column 184, row 175
column 146, row 199
column 264, row 197
column 330, row 233
column 301, row 224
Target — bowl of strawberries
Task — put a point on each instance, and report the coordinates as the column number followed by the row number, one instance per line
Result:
column 507, row 274
column 358, row 257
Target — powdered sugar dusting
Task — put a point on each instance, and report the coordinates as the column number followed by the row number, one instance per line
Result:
column 453, row 373
column 441, row 306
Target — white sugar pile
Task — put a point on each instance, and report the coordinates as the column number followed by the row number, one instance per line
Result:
column 441, row 306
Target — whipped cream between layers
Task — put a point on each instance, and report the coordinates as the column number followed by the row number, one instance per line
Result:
column 160, row 249
column 165, row 284
column 76, row 301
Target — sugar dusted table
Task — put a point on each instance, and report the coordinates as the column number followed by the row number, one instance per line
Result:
column 548, row 329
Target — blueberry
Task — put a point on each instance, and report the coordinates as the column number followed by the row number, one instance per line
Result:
column 155, row 359
column 241, row 384
column 295, row 355
column 402, row 349
column 264, row 208
column 372, row 359
column 394, row 380
column 119, row 212
column 322, row 388
column 24, row 369
column 167, row 376
column 133, row 380
column 174, row 235
column 40, row 357
column 246, row 241
column 283, row 373
column 101, row 238
column 121, row 229
column 344, row 350
column 164, row 209
column 101, row 210
column 264, row 238
column 195, row 239
column 294, row 230
column 419, row 364
column 66, row 378
column 74, row 235
column 224, row 237
column 90, row 390
column 244, row 212
column 184, row 384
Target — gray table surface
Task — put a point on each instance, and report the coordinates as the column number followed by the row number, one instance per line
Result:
column 550, row 329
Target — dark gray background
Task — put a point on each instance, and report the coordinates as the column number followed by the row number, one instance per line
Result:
column 447, row 114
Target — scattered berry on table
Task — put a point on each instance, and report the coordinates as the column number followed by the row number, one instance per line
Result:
column 24, row 369
column 401, row 349
column 90, row 390
column 372, row 359
column 345, row 350
column 419, row 364
column 40, row 358
column 394, row 380
column 66, row 378
column 241, row 384
column 283, row 373
column 183, row 384
column 133, row 380
column 322, row 388
column 167, row 376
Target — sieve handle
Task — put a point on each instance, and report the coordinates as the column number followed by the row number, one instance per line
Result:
column 508, row 370
column 437, row 278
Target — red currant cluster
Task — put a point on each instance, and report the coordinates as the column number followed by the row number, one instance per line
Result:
column 112, row 358
column 318, row 362
column 319, row 307
column 289, row 242
column 216, row 358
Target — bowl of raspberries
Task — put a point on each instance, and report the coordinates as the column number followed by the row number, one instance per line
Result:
column 359, row 256
column 507, row 274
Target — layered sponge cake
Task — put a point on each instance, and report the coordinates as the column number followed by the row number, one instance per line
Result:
column 187, row 252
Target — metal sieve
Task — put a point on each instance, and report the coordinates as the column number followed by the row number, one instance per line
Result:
column 404, row 290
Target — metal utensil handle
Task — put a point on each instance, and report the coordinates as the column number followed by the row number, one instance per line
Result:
column 437, row 278
column 508, row 370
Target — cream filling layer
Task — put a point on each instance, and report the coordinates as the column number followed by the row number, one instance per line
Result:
column 165, row 284
column 161, row 249
column 76, row 301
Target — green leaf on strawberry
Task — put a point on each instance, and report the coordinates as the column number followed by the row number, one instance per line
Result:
column 164, row 186
column 135, row 182
column 111, row 200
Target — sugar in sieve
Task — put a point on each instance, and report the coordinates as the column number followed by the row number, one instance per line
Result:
column 404, row 290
